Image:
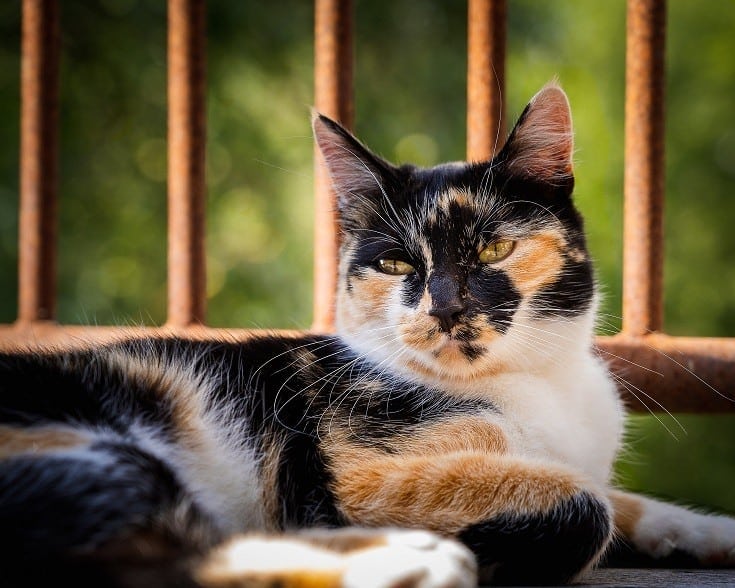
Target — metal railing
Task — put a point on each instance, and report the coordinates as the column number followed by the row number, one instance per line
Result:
column 683, row 373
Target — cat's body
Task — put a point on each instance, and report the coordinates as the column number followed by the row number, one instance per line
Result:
column 462, row 395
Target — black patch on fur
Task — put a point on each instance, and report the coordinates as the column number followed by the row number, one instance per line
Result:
column 58, row 509
column 274, row 392
column 493, row 295
column 82, row 388
column 570, row 295
column 374, row 418
column 390, row 407
column 546, row 548
column 413, row 290
column 471, row 352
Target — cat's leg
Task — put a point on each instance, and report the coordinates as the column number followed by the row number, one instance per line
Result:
column 351, row 558
column 79, row 509
column 527, row 522
column 670, row 534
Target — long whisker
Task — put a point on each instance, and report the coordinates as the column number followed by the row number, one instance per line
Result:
column 627, row 385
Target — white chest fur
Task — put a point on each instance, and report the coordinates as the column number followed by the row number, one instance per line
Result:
column 571, row 415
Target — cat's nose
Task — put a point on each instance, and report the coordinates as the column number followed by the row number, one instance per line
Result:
column 447, row 304
column 448, row 315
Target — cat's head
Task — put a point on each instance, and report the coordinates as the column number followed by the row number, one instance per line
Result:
column 464, row 269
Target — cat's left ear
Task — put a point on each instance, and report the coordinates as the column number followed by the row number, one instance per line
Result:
column 541, row 145
column 358, row 175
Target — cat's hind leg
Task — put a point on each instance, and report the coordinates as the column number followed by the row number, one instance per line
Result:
column 656, row 533
column 80, row 508
column 331, row 558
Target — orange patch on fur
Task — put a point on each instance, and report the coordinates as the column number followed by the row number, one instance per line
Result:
column 14, row 440
column 269, row 481
column 346, row 540
column 535, row 263
column 368, row 299
column 375, row 289
column 445, row 484
column 628, row 511
column 421, row 331
column 465, row 434
column 420, row 339
column 453, row 196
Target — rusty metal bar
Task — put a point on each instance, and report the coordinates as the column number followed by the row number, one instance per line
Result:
column 644, row 168
column 38, row 161
column 186, row 163
column 333, row 96
column 486, row 40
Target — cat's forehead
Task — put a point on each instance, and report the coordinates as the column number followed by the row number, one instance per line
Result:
column 456, row 176
column 470, row 199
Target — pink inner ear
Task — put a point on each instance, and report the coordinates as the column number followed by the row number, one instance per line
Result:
column 347, row 163
column 543, row 142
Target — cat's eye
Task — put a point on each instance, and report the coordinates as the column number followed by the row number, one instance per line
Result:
column 496, row 251
column 395, row 267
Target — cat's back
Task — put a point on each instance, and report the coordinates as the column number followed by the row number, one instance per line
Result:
column 206, row 411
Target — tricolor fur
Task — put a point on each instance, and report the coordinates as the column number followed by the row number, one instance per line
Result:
column 461, row 396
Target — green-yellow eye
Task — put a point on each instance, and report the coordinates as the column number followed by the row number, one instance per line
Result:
column 497, row 251
column 395, row 267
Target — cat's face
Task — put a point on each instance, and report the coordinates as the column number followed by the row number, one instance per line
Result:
column 461, row 270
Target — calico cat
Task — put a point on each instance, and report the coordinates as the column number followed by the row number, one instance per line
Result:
column 460, row 401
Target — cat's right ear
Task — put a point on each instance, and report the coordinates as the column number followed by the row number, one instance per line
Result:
column 358, row 176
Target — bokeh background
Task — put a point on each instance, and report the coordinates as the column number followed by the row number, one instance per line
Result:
column 410, row 106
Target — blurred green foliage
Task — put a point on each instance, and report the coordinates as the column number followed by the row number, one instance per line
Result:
column 410, row 75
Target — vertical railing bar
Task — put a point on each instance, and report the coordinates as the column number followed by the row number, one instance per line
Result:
column 38, row 161
column 644, row 168
column 486, row 40
column 186, row 162
column 333, row 96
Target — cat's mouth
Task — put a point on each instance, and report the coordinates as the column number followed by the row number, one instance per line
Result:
column 462, row 344
column 461, row 333
column 455, row 347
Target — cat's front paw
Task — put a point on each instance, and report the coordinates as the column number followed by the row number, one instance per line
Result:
column 412, row 558
column 350, row 558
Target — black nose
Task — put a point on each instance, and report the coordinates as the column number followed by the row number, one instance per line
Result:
column 448, row 315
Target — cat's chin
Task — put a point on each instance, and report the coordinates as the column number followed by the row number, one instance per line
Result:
column 451, row 361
